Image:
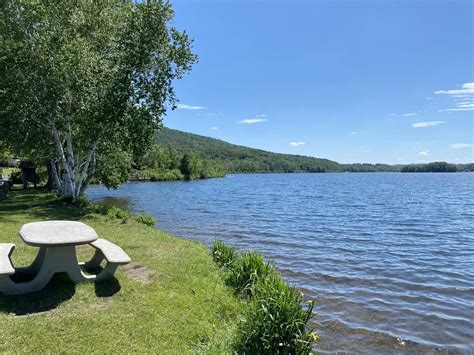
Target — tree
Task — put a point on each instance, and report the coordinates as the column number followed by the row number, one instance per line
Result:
column 191, row 166
column 85, row 84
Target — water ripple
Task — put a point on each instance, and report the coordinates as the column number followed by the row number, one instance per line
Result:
column 388, row 257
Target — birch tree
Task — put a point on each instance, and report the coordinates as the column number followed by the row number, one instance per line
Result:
column 85, row 84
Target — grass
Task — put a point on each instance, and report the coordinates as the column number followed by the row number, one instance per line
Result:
column 172, row 298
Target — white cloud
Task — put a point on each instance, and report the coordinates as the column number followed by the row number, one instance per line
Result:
column 467, row 89
column 189, row 107
column 214, row 128
column 295, row 144
column 463, row 97
column 461, row 106
column 461, row 145
column 354, row 132
column 403, row 114
column 427, row 124
column 424, row 153
column 257, row 119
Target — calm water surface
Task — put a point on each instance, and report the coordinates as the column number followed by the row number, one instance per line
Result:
column 388, row 257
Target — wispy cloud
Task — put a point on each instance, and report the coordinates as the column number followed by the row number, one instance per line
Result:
column 253, row 120
column 354, row 132
column 466, row 89
column 464, row 97
column 424, row 153
column 461, row 106
column 214, row 128
column 256, row 119
column 461, row 145
column 189, row 107
column 427, row 124
column 295, row 144
column 403, row 114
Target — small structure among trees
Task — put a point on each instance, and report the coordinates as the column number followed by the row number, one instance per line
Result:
column 28, row 173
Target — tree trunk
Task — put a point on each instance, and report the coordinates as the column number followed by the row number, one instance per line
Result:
column 70, row 176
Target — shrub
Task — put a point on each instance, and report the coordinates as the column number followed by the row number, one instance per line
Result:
column 276, row 322
column 247, row 269
column 146, row 219
column 118, row 213
column 82, row 201
column 223, row 255
column 98, row 208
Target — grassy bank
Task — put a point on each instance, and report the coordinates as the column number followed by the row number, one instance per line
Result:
column 172, row 296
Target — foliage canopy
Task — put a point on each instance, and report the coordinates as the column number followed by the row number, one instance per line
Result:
column 85, row 84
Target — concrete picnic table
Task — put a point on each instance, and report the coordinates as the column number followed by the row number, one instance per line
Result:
column 57, row 241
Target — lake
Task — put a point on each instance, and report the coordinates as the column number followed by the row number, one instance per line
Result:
column 389, row 257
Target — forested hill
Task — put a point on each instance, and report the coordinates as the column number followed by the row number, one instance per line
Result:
column 239, row 159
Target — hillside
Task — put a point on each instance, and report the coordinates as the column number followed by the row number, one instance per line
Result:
column 239, row 159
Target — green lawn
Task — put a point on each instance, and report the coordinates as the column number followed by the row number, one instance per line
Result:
column 171, row 298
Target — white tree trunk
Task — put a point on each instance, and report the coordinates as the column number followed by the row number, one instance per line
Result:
column 70, row 175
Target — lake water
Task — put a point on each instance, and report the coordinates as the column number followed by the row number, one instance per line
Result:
column 388, row 257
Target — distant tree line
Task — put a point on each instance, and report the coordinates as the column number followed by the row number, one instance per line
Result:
column 163, row 163
column 230, row 158
column 435, row 167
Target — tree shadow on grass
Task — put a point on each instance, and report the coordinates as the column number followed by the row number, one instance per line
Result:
column 58, row 290
column 39, row 204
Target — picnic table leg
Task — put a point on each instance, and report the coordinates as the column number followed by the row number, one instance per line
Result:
column 8, row 287
column 35, row 266
column 55, row 260
column 95, row 261
column 64, row 259
column 107, row 272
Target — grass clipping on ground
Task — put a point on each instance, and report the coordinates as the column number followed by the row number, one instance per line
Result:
column 170, row 298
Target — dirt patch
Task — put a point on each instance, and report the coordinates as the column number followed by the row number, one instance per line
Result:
column 138, row 273
column 100, row 305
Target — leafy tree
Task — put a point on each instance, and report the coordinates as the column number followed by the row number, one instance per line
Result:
column 192, row 166
column 85, row 84
column 435, row 167
column 5, row 153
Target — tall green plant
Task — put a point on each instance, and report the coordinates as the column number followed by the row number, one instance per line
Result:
column 248, row 268
column 223, row 255
column 276, row 323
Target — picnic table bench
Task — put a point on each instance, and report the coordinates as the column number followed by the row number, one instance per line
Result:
column 57, row 241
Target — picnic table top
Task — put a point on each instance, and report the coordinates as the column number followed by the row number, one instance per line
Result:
column 57, row 233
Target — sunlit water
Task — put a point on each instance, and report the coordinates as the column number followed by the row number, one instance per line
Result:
column 388, row 257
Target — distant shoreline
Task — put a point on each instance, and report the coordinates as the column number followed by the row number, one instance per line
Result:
column 134, row 179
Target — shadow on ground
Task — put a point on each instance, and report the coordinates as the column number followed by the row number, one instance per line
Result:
column 39, row 205
column 107, row 288
column 59, row 289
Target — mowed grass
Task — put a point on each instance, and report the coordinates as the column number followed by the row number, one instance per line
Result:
column 171, row 298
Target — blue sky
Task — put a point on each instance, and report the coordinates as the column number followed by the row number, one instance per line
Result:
column 352, row 81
